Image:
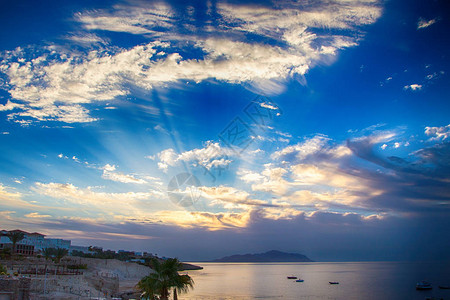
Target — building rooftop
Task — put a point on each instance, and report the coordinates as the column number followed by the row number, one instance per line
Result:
column 36, row 233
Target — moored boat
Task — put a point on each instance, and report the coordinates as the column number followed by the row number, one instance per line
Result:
column 299, row 280
column 423, row 285
column 333, row 282
column 292, row 277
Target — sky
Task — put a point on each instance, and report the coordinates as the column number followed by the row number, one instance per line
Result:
column 199, row 129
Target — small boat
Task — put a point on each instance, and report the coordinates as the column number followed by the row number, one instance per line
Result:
column 423, row 285
column 292, row 277
column 444, row 287
column 333, row 282
column 299, row 280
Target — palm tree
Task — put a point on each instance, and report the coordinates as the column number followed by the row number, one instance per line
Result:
column 47, row 253
column 182, row 284
column 15, row 237
column 164, row 278
column 60, row 253
column 5, row 253
column 150, row 286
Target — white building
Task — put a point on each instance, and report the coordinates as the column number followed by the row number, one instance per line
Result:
column 37, row 240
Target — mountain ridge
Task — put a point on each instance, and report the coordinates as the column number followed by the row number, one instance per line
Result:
column 269, row 256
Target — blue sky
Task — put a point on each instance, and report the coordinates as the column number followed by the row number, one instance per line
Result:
column 202, row 129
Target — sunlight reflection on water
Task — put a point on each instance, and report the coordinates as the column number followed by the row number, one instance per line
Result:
column 357, row 280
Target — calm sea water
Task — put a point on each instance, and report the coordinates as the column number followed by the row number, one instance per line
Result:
column 357, row 280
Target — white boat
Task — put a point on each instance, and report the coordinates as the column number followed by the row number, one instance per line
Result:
column 423, row 285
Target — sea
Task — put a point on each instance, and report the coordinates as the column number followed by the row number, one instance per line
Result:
column 357, row 280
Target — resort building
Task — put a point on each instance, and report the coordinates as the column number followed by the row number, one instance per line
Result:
column 32, row 242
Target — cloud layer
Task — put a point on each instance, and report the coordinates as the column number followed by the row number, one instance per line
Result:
column 58, row 83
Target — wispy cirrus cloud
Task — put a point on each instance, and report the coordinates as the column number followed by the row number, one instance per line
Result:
column 86, row 39
column 58, row 84
column 423, row 23
column 140, row 20
column 36, row 215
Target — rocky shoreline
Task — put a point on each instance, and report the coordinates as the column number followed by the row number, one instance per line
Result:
column 101, row 278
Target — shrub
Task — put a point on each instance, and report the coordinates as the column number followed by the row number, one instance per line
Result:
column 77, row 267
column 3, row 270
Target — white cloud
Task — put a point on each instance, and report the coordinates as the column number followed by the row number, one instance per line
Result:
column 167, row 158
column 57, row 84
column 209, row 220
column 110, row 174
column 434, row 76
column 56, row 89
column 422, row 23
column 88, row 197
column 272, row 179
column 127, row 207
column 438, row 133
column 285, row 134
column 230, row 195
column 431, row 76
column 134, row 19
column 86, row 39
column 301, row 150
column 291, row 16
column 37, row 215
column 250, row 176
column 63, row 156
column 311, row 174
column 109, row 168
column 10, row 198
column 413, row 87
column 7, row 195
column 256, row 152
column 269, row 106
column 161, row 129
column 379, row 136
column 210, row 156
column 10, row 106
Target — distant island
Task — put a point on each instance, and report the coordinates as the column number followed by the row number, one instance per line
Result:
column 270, row 256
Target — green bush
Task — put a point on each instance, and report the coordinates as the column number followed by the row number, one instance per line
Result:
column 77, row 267
column 3, row 270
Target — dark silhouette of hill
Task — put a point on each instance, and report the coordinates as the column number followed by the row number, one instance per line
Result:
column 270, row 256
